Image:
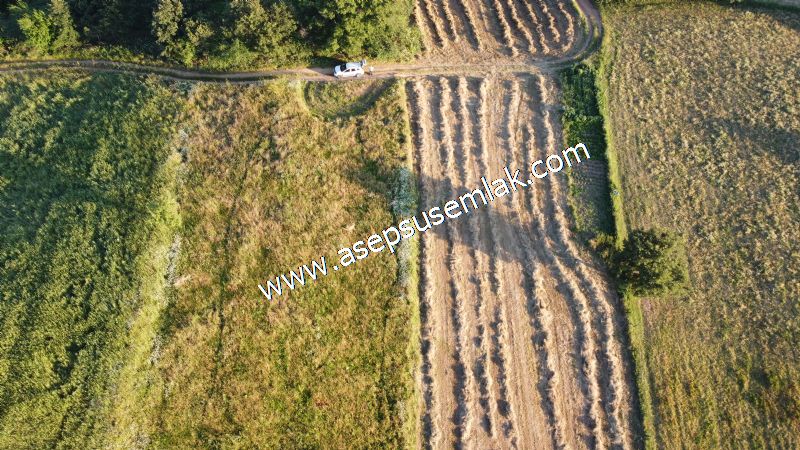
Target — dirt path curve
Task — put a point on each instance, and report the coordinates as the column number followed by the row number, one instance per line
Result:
column 492, row 62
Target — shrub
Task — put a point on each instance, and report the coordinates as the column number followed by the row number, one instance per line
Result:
column 652, row 262
column 35, row 27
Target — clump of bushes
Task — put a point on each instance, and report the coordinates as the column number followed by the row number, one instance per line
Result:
column 649, row 263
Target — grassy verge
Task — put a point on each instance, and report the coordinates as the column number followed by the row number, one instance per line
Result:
column 589, row 189
column 700, row 120
column 633, row 305
column 405, row 205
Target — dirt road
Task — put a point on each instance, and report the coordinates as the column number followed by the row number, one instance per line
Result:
column 522, row 335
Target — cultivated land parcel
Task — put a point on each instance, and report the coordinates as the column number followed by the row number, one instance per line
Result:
column 703, row 108
column 138, row 217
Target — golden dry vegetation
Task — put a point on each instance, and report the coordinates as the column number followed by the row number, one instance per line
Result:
column 703, row 106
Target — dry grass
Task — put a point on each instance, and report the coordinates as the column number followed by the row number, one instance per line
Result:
column 268, row 186
column 704, row 112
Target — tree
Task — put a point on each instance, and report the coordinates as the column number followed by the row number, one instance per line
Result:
column 265, row 31
column 166, row 21
column 63, row 29
column 34, row 26
column 652, row 263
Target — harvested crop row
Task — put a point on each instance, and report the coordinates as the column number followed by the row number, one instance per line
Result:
column 614, row 375
column 477, row 30
column 469, row 21
column 520, row 340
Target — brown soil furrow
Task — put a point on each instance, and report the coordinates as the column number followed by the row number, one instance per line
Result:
column 487, row 276
column 518, row 395
column 534, row 24
column 449, row 20
column 604, row 302
column 499, row 358
column 467, row 19
column 492, row 28
column 504, row 424
column 434, row 21
column 552, row 25
column 567, row 18
column 511, row 9
column 483, row 139
column 540, row 318
column 534, row 421
column 475, row 228
column 418, row 100
column 508, row 37
column 466, row 104
column 425, row 25
column 442, row 299
column 615, row 375
column 461, row 265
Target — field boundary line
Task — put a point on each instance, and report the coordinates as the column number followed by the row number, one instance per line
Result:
column 632, row 305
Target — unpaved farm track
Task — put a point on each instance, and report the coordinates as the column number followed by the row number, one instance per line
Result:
column 523, row 337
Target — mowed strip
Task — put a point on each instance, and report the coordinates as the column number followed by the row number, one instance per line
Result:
column 521, row 333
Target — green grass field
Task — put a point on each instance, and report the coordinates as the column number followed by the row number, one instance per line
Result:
column 703, row 111
column 142, row 217
column 85, row 183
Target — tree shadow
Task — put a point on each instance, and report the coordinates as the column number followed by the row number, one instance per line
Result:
column 788, row 16
column 773, row 141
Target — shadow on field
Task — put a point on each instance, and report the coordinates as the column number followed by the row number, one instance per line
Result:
column 485, row 229
column 499, row 231
column 777, row 142
column 787, row 16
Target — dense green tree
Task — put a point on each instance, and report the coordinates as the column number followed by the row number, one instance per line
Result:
column 216, row 33
column 113, row 21
column 167, row 19
column 652, row 262
column 34, row 26
column 266, row 31
column 63, row 28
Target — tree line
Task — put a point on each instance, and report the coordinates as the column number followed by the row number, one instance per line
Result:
column 213, row 33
